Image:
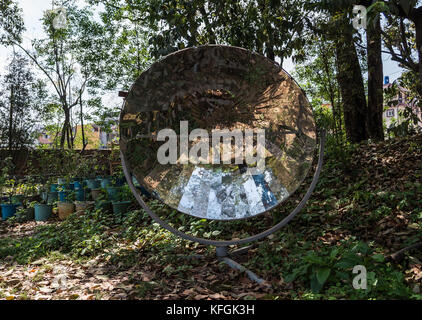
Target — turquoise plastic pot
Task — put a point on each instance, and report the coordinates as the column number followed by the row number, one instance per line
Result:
column 113, row 193
column 93, row 184
column 63, row 196
column 42, row 212
column 121, row 207
column 105, row 183
column 8, row 210
column 80, row 195
column 53, row 187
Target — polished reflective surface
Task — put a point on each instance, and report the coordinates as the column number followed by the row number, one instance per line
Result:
column 218, row 88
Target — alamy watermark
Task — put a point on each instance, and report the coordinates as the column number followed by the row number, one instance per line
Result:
column 60, row 18
column 60, row 280
column 219, row 147
column 360, row 281
column 360, row 19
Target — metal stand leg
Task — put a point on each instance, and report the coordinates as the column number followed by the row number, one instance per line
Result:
column 223, row 255
column 241, row 250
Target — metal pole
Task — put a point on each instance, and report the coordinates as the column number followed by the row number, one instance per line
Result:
column 234, row 265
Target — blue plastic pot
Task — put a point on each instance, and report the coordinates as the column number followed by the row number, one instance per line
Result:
column 42, row 212
column 8, row 210
column 77, row 185
column 63, row 196
column 53, row 187
column 80, row 195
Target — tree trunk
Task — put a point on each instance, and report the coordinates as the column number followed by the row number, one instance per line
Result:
column 64, row 137
column 12, row 99
column 375, row 82
column 352, row 88
column 418, row 27
column 84, row 144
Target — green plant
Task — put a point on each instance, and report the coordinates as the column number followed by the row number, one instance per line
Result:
column 5, row 182
column 331, row 268
column 125, row 194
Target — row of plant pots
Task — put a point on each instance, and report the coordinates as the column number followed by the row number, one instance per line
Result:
column 72, row 197
column 39, row 212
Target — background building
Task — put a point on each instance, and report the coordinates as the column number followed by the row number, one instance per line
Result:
column 396, row 106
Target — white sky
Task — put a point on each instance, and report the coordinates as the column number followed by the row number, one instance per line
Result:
column 33, row 11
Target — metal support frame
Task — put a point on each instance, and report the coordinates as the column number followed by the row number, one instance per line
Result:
column 222, row 251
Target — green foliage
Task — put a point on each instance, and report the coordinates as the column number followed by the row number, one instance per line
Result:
column 178, row 24
column 76, row 236
column 20, row 101
column 7, row 184
column 11, row 22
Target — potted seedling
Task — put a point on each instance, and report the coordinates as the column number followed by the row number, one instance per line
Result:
column 28, row 189
column 43, row 210
column 19, row 193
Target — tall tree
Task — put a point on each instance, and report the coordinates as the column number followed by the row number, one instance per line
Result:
column 11, row 22
column 318, row 76
column 375, row 80
column 339, row 28
column 72, row 56
column 21, row 103
column 351, row 86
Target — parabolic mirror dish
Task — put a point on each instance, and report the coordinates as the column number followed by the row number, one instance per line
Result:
column 216, row 88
